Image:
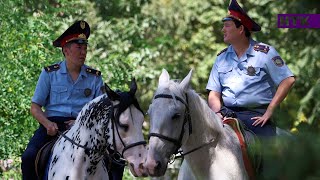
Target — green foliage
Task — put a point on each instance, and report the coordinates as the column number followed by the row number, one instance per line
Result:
column 23, row 54
column 138, row 38
column 296, row 157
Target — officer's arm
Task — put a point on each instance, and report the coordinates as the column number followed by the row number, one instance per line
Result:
column 214, row 101
column 39, row 115
column 281, row 93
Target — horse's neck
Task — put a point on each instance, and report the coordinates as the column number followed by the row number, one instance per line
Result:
column 91, row 124
column 207, row 127
column 205, row 124
column 90, row 137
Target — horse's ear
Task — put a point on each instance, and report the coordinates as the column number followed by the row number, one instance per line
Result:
column 185, row 82
column 133, row 87
column 164, row 77
column 111, row 94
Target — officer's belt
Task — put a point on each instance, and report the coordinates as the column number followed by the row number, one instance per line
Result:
column 60, row 119
column 60, row 122
column 239, row 109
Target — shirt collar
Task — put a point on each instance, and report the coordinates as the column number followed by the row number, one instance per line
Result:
column 63, row 67
column 83, row 71
column 250, row 50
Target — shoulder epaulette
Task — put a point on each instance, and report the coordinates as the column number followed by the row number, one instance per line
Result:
column 93, row 71
column 224, row 50
column 51, row 68
column 261, row 48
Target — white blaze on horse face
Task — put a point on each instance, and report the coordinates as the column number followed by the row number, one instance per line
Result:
column 132, row 119
column 167, row 119
column 159, row 149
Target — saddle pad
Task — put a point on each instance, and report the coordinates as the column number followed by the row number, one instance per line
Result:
column 43, row 157
column 235, row 125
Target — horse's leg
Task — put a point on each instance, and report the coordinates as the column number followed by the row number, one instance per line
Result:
column 185, row 172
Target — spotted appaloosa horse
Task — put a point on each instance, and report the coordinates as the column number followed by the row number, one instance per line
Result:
column 211, row 150
column 113, row 121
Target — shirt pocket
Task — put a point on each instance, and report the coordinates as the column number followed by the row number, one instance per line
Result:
column 225, row 73
column 58, row 94
column 83, row 94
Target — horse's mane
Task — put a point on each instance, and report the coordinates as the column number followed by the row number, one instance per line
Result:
column 96, row 110
column 197, row 105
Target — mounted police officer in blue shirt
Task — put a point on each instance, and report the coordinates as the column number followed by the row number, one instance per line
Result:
column 62, row 90
column 249, row 79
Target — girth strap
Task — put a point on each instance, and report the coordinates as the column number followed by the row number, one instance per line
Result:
column 235, row 125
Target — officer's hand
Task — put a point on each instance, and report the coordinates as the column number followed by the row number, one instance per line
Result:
column 69, row 123
column 52, row 128
column 262, row 120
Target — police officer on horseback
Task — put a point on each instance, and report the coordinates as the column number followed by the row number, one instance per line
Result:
column 61, row 92
column 249, row 79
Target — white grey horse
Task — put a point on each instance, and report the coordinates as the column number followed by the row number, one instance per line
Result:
column 180, row 118
column 111, row 122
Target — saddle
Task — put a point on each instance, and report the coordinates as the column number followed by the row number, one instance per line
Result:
column 42, row 158
column 250, row 146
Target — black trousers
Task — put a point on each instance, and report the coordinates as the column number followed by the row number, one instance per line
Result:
column 115, row 170
column 39, row 138
column 245, row 115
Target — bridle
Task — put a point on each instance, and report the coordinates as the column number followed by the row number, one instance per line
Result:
column 115, row 156
column 178, row 142
column 114, row 127
column 187, row 119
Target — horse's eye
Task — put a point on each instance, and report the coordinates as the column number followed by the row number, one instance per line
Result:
column 125, row 127
column 176, row 116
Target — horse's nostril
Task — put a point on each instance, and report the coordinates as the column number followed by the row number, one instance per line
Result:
column 141, row 166
column 132, row 165
column 158, row 166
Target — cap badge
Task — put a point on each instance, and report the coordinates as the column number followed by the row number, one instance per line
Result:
column 251, row 71
column 82, row 36
column 87, row 92
column 82, row 24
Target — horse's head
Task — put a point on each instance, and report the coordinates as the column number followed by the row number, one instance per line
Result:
column 127, row 124
column 169, row 122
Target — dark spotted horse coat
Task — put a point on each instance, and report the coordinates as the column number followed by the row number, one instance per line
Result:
column 79, row 152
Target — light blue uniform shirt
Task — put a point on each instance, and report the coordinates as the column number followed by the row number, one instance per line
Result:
column 250, row 81
column 60, row 96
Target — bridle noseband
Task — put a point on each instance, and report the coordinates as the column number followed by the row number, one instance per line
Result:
column 126, row 147
column 178, row 142
column 187, row 119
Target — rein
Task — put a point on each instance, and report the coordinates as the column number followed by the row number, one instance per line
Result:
column 115, row 156
column 126, row 147
column 176, row 142
column 77, row 144
column 191, row 151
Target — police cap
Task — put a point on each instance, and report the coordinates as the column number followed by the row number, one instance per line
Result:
column 237, row 13
column 78, row 32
